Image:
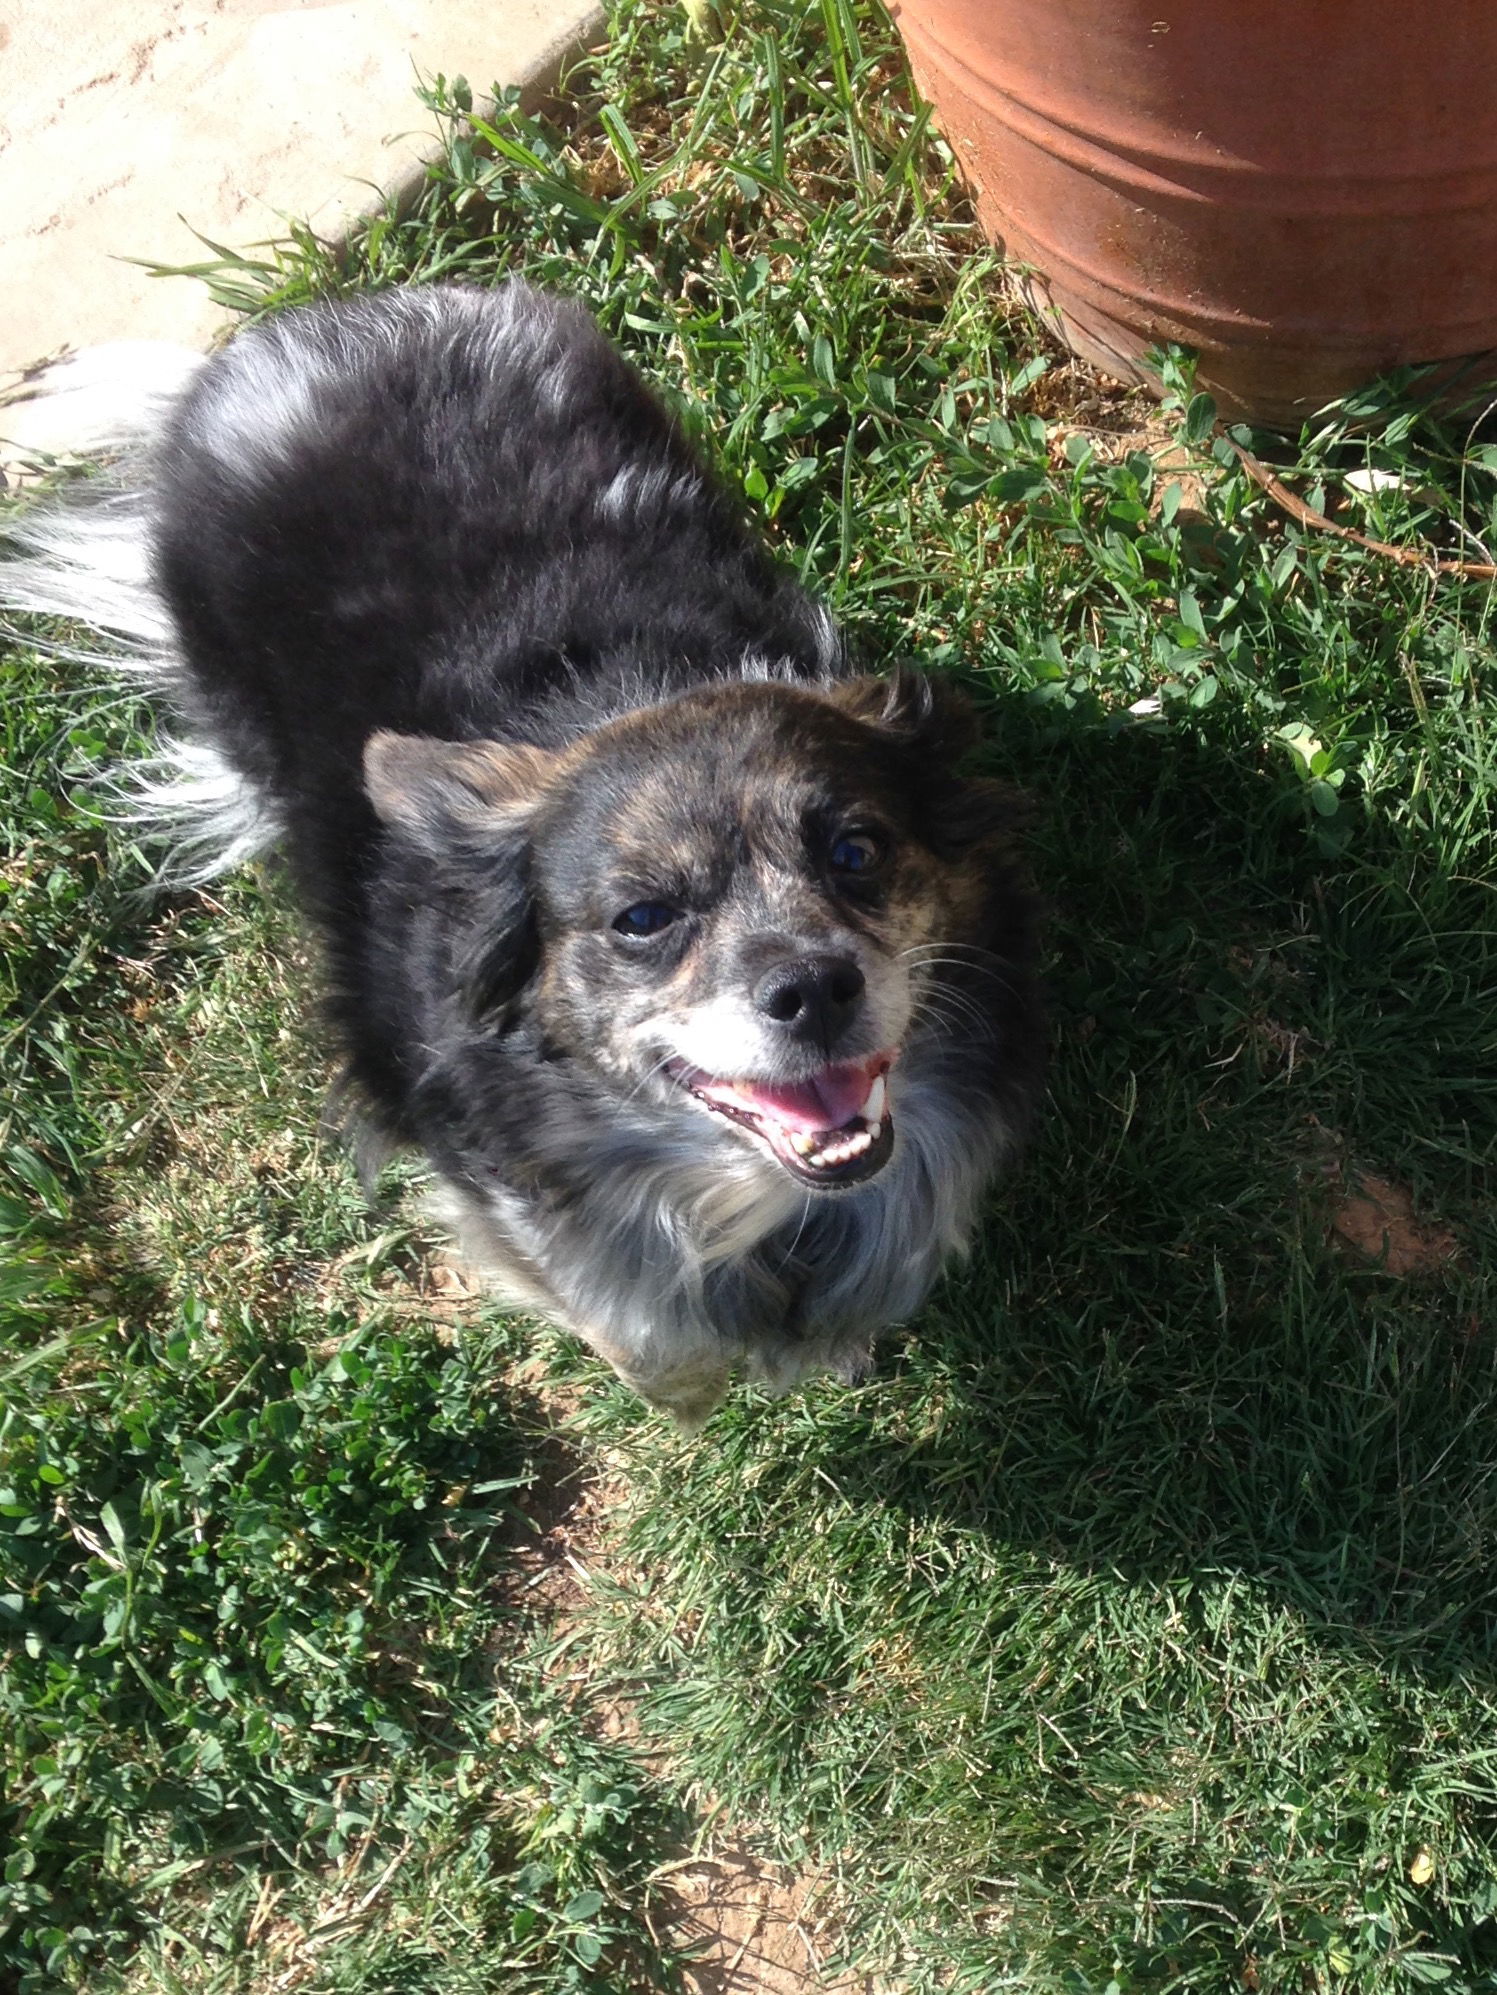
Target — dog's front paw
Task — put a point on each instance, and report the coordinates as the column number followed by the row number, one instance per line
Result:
column 691, row 1415
column 690, row 1394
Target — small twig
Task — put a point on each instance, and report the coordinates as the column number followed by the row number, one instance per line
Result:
column 382, row 1880
column 264, row 1904
column 1406, row 557
column 753, row 1933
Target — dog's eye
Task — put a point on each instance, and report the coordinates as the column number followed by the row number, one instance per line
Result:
column 646, row 918
column 855, row 852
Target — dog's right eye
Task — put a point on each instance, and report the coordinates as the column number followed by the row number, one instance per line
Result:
column 646, row 918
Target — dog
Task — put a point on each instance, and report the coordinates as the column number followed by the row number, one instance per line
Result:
column 677, row 943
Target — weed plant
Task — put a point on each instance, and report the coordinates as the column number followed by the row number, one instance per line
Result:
column 1133, row 1628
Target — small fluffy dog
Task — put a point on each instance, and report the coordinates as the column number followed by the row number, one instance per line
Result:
column 698, row 973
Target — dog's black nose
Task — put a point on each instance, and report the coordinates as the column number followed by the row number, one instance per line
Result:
column 813, row 997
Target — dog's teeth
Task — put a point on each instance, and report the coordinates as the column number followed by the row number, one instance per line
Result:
column 826, row 1153
column 845, row 1148
column 873, row 1108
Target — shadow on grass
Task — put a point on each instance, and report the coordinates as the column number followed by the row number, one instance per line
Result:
column 1159, row 1362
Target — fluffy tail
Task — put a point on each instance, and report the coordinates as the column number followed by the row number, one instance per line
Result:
column 88, row 558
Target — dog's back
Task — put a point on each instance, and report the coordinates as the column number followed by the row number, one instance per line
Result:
column 429, row 510
column 440, row 512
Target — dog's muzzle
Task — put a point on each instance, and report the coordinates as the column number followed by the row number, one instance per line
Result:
column 832, row 1130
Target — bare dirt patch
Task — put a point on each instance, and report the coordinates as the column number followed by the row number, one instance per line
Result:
column 1120, row 422
column 565, row 1514
column 1375, row 1217
column 1075, row 395
column 752, row 1926
column 757, row 1928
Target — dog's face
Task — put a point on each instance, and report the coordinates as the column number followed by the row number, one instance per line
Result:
column 729, row 905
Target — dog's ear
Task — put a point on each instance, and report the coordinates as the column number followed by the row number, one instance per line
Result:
column 438, row 792
column 929, row 714
column 466, row 807
column 936, row 724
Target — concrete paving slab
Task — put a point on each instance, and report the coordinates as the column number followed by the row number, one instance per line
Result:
column 127, row 124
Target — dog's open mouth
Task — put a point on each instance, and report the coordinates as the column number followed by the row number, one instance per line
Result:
column 833, row 1129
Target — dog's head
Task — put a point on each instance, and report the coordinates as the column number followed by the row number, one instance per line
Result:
column 729, row 905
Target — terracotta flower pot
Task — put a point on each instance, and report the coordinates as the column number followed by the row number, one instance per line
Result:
column 1303, row 190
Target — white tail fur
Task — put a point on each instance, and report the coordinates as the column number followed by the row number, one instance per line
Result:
column 101, row 399
column 88, row 558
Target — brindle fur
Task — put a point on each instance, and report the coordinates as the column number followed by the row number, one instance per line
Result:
column 583, row 1183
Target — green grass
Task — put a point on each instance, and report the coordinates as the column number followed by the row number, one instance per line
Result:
column 1134, row 1627
column 262, row 1519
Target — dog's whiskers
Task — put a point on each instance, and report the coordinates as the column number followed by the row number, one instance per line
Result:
column 644, row 1080
column 997, row 976
column 951, row 955
column 949, row 1021
column 805, row 1214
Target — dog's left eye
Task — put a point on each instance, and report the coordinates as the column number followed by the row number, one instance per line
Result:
column 646, row 918
column 855, row 852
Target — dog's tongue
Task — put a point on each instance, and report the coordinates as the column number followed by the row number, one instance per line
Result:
column 828, row 1100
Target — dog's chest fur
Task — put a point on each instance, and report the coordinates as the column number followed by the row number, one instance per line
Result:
column 670, row 1254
